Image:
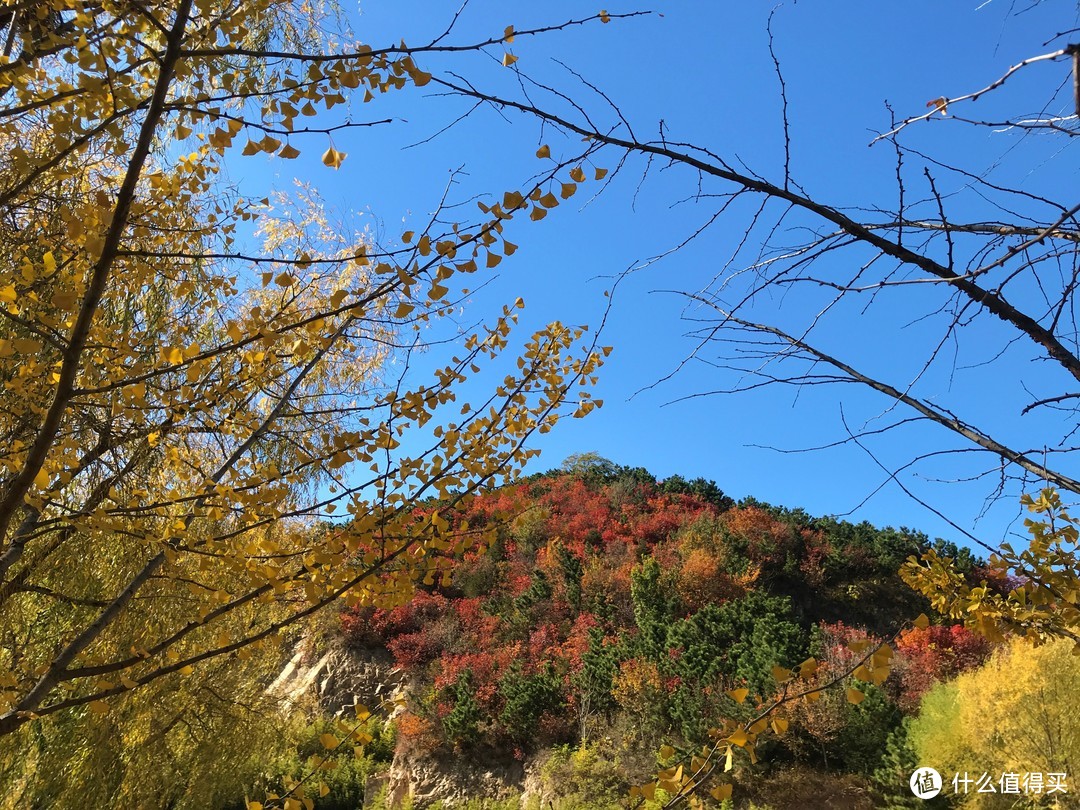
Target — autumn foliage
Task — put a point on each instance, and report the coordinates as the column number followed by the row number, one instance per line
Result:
column 615, row 606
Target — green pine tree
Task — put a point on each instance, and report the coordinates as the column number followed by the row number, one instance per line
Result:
column 462, row 725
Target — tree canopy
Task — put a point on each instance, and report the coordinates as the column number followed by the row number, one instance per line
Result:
column 207, row 431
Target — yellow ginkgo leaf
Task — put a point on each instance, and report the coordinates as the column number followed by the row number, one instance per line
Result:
column 781, row 674
column 922, row 622
column 855, row 696
column 604, row 17
column 63, row 299
column 329, row 741
column 509, row 59
column 666, row 752
column 288, row 151
column 721, row 792
column 544, row 151
column 738, row 695
column 333, row 158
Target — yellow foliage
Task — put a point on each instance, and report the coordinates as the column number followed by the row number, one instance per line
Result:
column 193, row 380
column 1016, row 714
column 1047, row 603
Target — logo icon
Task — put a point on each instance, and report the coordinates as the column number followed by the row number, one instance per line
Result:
column 925, row 783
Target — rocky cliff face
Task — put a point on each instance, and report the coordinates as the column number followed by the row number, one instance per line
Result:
column 339, row 679
column 454, row 779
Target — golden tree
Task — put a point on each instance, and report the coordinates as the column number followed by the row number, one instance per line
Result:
column 195, row 382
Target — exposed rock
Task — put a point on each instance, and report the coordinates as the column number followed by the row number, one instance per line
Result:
column 454, row 778
column 340, row 679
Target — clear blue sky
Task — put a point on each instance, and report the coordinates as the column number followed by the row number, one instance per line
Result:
column 704, row 69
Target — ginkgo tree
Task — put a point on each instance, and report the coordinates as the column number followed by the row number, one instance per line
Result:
column 202, row 441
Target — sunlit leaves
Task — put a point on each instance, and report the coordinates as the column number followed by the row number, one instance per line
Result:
column 333, row 158
column 1043, row 605
column 721, row 792
column 203, row 415
column 739, row 695
column 781, row 674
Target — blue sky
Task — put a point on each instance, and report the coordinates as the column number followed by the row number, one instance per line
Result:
column 704, row 69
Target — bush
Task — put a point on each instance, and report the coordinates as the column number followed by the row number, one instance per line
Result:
column 580, row 778
column 345, row 780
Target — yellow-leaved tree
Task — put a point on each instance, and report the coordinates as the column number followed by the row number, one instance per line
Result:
column 1012, row 718
column 194, row 384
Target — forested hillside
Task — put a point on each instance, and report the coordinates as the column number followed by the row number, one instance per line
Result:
column 617, row 613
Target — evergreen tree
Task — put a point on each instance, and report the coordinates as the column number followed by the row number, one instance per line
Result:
column 572, row 571
column 599, row 663
column 526, row 699
column 461, row 726
column 891, row 777
column 652, row 608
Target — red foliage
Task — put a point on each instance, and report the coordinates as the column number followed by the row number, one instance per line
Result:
column 416, row 734
column 357, row 629
column 816, row 548
column 1001, row 581
column 923, row 657
column 836, row 655
column 486, row 668
column 577, row 642
column 932, row 655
